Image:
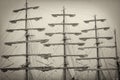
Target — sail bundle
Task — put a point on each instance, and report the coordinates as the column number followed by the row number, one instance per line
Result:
column 38, row 29
column 36, row 19
column 17, row 10
column 103, row 28
column 19, row 42
column 75, row 33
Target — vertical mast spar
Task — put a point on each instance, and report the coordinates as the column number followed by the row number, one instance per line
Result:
column 64, row 40
column 27, row 37
column 98, row 58
column 64, row 43
column 117, row 62
column 97, row 50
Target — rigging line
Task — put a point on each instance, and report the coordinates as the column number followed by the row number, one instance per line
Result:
column 39, row 75
column 1, row 60
column 91, row 61
column 48, row 65
column 90, row 51
column 16, row 18
column 50, row 62
column 54, row 62
column 69, row 73
column 30, row 72
column 10, row 61
column 18, row 15
column 22, row 37
column 9, row 65
column 55, row 49
column 70, row 50
column 104, row 75
column 4, row 62
column 3, row 37
column 30, row 51
column 41, row 49
column 7, row 77
column 88, row 76
column 10, row 50
column 31, row 59
column 76, row 74
column 95, row 77
column 44, row 77
column 116, row 76
column 106, row 65
column 51, row 73
column 71, row 57
column 3, row 47
column 81, row 63
column 112, row 65
column 70, row 53
column 43, row 63
column 34, row 57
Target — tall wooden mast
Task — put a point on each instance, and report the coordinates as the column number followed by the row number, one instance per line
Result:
column 64, row 39
column 65, row 43
column 97, row 44
column 117, row 57
column 27, row 38
column 98, row 57
column 27, row 41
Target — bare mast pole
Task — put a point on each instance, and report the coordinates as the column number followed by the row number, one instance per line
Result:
column 97, row 50
column 117, row 62
column 27, row 38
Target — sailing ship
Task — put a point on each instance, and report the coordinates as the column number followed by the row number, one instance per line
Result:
column 61, row 64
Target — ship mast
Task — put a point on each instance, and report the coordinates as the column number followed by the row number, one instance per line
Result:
column 64, row 39
column 27, row 44
column 27, row 41
column 97, row 44
column 65, row 43
column 98, row 57
column 117, row 57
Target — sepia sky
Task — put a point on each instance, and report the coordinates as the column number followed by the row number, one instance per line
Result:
column 84, row 10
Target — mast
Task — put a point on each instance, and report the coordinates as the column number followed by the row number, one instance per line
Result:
column 98, row 57
column 27, row 44
column 97, row 50
column 65, row 43
column 27, row 41
column 117, row 58
column 64, row 39
column 97, row 45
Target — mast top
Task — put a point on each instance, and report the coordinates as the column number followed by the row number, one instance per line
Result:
column 26, row 1
column 95, row 16
column 63, row 8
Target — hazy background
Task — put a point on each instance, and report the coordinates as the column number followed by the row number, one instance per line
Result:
column 84, row 9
